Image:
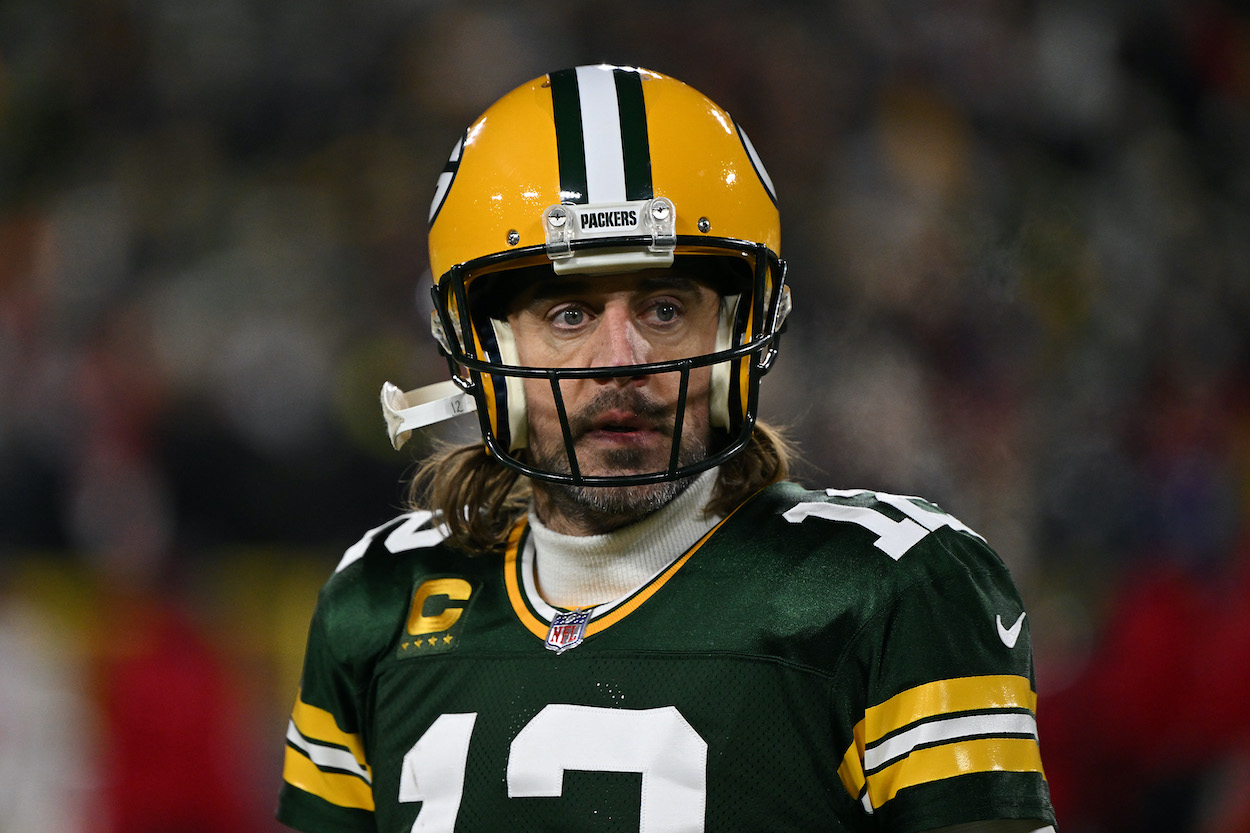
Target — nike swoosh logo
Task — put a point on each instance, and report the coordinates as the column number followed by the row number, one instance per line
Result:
column 1009, row 635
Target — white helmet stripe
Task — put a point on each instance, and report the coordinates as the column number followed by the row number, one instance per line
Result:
column 601, row 135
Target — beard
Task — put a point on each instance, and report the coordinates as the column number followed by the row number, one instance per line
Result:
column 603, row 508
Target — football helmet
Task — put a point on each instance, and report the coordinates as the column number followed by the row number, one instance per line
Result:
column 596, row 170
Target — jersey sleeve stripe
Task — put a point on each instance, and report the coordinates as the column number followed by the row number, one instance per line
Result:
column 320, row 727
column 945, row 714
column 946, row 697
column 337, row 788
column 851, row 770
column 328, row 757
column 949, row 760
column 948, row 730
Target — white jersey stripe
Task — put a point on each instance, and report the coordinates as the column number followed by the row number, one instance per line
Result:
column 601, row 135
column 952, row 728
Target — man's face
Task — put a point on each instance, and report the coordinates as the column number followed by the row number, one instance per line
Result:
column 620, row 425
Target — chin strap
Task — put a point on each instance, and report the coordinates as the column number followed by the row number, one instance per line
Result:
column 408, row 411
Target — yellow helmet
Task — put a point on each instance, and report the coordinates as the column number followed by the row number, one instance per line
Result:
column 593, row 170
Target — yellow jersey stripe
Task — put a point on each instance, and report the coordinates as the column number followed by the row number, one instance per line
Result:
column 336, row 788
column 1003, row 691
column 949, row 760
column 320, row 726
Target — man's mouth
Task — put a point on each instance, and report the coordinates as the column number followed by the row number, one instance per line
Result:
column 621, row 418
column 618, row 422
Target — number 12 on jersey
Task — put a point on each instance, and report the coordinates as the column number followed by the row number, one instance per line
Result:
column 894, row 538
column 657, row 743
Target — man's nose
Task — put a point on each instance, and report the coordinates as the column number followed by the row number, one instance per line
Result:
column 618, row 342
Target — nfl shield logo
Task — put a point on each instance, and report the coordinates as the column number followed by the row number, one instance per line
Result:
column 567, row 630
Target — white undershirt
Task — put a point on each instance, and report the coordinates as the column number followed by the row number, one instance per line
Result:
column 584, row 570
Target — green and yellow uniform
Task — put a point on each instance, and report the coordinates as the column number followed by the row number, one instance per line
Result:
column 819, row 661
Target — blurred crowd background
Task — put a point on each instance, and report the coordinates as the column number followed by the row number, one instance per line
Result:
column 1019, row 238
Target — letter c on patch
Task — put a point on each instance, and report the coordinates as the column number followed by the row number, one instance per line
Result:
column 429, row 594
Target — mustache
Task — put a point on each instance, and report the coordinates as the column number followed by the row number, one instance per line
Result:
column 632, row 400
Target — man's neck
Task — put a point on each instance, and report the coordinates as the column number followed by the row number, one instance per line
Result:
column 585, row 570
column 572, row 510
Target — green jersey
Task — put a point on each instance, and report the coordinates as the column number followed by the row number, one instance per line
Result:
column 819, row 661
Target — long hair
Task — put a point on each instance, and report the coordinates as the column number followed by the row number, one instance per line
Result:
column 480, row 499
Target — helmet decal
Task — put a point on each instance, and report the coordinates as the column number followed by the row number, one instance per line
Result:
column 757, row 163
column 601, row 135
column 445, row 179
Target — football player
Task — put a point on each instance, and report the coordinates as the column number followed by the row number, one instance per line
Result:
column 615, row 613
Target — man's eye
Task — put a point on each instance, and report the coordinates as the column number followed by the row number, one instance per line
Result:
column 666, row 312
column 571, row 317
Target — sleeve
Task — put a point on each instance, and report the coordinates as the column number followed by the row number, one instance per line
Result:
column 946, row 732
column 327, row 779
